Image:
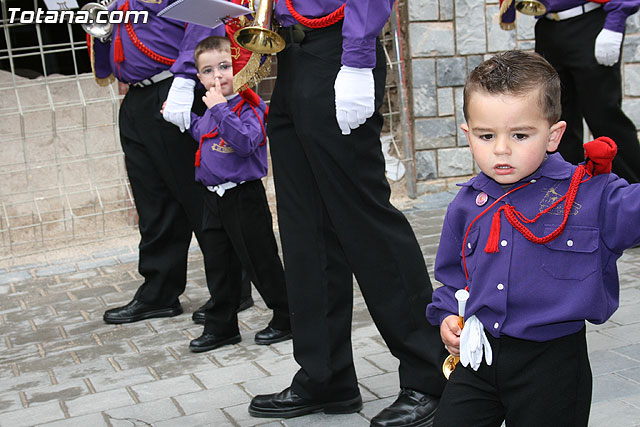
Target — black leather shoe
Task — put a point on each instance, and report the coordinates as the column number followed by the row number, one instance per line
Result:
column 287, row 404
column 198, row 315
column 206, row 342
column 411, row 409
column 136, row 310
column 270, row 335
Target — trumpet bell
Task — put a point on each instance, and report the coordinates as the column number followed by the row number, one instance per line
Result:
column 449, row 365
column 259, row 40
column 531, row 7
column 98, row 30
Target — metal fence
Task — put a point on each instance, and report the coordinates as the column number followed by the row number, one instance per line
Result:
column 61, row 164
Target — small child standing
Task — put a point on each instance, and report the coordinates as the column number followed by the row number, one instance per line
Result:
column 230, row 162
column 534, row 239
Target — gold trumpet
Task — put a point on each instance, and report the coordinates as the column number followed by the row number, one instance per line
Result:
column 101, row 31
column 258, row 37
column 531, row 7
column 451, row 361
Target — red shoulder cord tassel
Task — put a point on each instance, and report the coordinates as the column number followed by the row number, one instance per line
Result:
column 599, row 154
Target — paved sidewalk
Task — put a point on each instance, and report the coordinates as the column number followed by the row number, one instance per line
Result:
column 61, row 365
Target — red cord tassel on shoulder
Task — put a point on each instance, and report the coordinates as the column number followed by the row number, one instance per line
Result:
column 494, row 234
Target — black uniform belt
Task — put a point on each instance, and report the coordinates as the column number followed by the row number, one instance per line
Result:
column 294, row 33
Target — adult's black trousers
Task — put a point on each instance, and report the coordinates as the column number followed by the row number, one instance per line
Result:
column 336, row 221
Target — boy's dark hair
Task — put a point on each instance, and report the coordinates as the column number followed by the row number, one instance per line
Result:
column 516, row 73
column 211, row 43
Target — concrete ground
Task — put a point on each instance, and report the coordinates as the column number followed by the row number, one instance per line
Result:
column 61, row 365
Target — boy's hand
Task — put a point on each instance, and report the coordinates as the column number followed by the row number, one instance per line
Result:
column 214, row 95
column 164, row 104
column 450, row 334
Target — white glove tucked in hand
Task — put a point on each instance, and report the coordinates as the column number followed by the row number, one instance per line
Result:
column 179, row 102
column 607, row 50
column 355, row 96
column 472, row 342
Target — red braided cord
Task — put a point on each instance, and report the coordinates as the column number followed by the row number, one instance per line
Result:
column 325, row 21
column 571, row 194
column 141, row 47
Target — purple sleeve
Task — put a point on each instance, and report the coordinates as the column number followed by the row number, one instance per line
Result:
column 184, row 65
column 620, row 210
column 363, row 22
column 102, row 62
column 617, row 13
column 245, row 133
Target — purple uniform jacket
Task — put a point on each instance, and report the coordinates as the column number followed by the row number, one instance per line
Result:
column 617, row 11
column 538, row 292
column 363, row 21
column 242, row 156
column 169, row 38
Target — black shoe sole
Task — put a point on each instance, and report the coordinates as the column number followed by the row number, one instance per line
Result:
column 165, row 312
column 273, row 341
column 343, row 407
column 201, row 349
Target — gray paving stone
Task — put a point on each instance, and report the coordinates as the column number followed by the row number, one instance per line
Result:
column 210, row 418
column 614, row 413
column 53, row 393
column 216, row 377
column 14, row 276
column 384, row 385
column 155, row 390
column 55, row 269
column 95, row 263
column 31, row 416
column 105, row 400
column 201, row 401
column 147, row 413
column 128, row 258
column 320, row 419
column 93, row 420
column 608, row 387
column 111, row 252
column 10, row 401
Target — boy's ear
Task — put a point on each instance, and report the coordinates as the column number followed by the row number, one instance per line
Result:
column 555, row 135
column 465, row 129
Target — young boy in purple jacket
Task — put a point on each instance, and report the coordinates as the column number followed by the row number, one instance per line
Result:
column 230, row 162
column 534, row 240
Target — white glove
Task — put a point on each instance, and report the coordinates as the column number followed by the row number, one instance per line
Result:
column 355, row 96
column 607, row 50
column 179, row 102
column 472, row 342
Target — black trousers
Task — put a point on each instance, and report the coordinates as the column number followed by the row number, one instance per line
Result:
column 336, row 219
column 528, row 384
column 589, row 90
column 240, row 228
column 160, row 165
